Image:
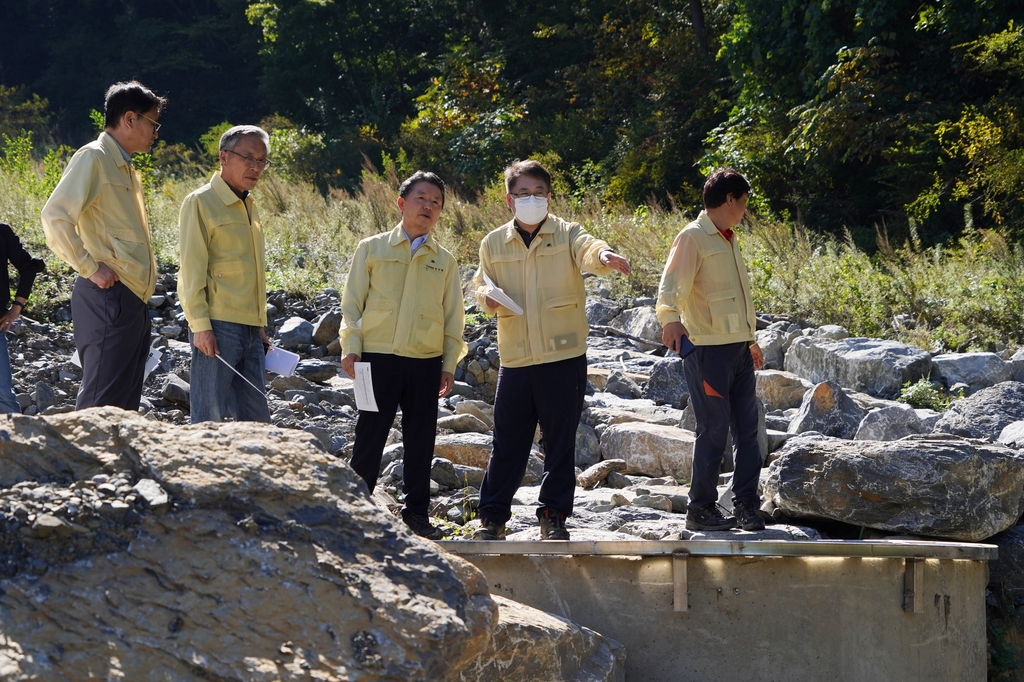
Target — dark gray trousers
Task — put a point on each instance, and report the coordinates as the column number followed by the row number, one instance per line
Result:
column 112, row 331
column 723, row 394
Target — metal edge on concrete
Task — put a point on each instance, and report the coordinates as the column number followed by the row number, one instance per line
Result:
column 894, row 549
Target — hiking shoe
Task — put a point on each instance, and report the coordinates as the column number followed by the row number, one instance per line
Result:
column 552, row 524
column 490, row 530
column 708, row 517
column 747, row 516
column 420, row 524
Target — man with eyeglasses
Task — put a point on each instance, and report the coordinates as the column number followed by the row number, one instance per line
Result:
column 95, row 221
column 536, row 259
column 222, row 283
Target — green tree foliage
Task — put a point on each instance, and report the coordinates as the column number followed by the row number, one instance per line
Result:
column 843, row 105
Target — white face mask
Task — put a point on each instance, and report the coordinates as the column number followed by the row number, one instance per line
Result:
column 531, row 210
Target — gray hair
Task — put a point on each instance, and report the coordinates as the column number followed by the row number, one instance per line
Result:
column 231, row 137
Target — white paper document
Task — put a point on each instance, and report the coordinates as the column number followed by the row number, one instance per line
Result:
column 151, row 362
column 500, row 296
column 281, row 361
column 364, row 388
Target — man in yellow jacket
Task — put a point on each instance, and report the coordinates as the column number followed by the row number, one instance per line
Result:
column 536, row 259
column 222, row 283
column 705, row 285
column 402, row 313
column 95, row 220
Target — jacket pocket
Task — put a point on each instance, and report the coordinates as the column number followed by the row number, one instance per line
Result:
column 230, row 284
column 564, row 324
column 428, row 331
column 513, row 343
column 378, row 321
column 130, row 256
column 724, row 311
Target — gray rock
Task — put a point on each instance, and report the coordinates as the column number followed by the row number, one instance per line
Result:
column 598, row 472
column 462, row 423
column 667, row 385
column 621, row 385
column 176, row 390
column 873, row 366
column 588, row 447
column 469, row 476
column 906, row 485
column 780, row 390
column 650, row 449
column 326, row 327
column 601, row 311
column 295, row 333
column 318, row 371
column 828, row 410
column 152, row 495
column 986, row 413
column 44, row 397
column 1012, row 435
column 642, row 323
column 977, row 370
column 443, row 472
column 889, row 423
column 831, row 331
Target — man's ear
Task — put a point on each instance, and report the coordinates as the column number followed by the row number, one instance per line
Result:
column 401, row 203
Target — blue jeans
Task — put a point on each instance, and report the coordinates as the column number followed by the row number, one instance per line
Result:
column 217, row 392
column 8, row 403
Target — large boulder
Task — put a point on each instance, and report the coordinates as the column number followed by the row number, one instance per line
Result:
column 529, row 644
column 326, row 327
column 780, row 390
column 873, row 366
column 986, row 413
column 828, row 410
column 295, row 333
column 266, row 561
column 939, row 486
column 977, row 370
column 650, row 449
column 890, row 423
column 642, row 323
column 667, row 385
column 469, row 449
column 601, row 311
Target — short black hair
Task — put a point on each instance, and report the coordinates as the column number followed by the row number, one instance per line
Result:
column 721, row 183
column 129, row 96
column 518, row 169
column 421, row 176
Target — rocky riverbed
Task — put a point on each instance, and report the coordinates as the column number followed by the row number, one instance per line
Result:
column 843, row 458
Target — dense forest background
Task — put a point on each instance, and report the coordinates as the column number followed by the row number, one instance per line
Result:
column 848, row 115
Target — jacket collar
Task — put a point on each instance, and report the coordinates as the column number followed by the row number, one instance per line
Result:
column 397, row 236
column 223, row 190
column 546, row 227
column 111, row 147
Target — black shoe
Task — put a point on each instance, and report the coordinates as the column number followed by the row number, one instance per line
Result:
column 552, row 524
column 420, row 524
column 708, row 517
column 490, row 530
column 747, row 516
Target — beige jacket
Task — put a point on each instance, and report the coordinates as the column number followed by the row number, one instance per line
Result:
column 402, row 303
column 96, row 214
column 546, row 281
column 705, row 286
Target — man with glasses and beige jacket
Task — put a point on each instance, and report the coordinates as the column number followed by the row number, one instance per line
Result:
column 96, row 221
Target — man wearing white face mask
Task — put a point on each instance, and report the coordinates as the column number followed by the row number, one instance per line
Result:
column 537, row 260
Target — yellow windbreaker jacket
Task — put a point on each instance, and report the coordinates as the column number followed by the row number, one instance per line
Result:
column 403, row 303
column 97, row 214
column 546, row 281
column 223, row 272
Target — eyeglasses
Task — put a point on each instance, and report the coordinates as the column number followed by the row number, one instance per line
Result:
column 523, row 195
column 252, row 161
column 156, row 126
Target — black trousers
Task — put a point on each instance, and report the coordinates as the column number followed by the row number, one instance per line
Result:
column 551, row 394
column 411, row 383
column 112, row 334
column 723, row 394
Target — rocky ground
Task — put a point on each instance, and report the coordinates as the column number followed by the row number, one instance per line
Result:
column 830, row 425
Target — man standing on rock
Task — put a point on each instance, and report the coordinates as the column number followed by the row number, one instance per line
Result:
column 222, row 284
column 705, row 284
column 96, row 221
column 536, row 259
column 402, row 313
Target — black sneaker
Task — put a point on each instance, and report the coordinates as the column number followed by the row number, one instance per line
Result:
column 552, row 524
column 420, row 524
column 490, row 530
column 708, row 517
column 747, row 516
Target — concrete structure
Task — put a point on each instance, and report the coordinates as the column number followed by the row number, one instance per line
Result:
column 761, row 610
